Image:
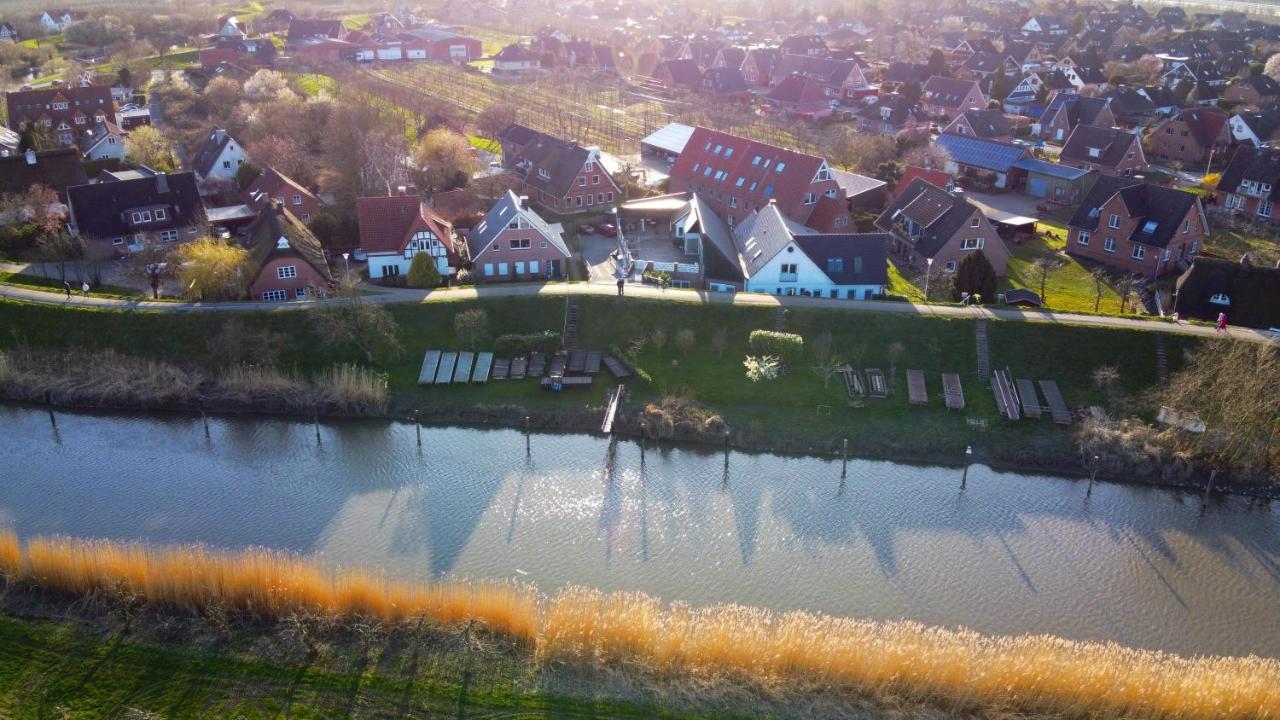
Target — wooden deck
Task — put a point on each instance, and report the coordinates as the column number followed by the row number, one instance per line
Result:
column 430, row 364
column 484, row 363
column 1030, row 402
column 616, row 367
column 953, row 391
column 917, row 393
column 1057, row 406
column 463, row 372
column 447, row 362
column 1006, row 396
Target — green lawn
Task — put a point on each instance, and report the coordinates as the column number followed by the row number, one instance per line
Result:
column 314, row 84
column 901, row 286
column 485, row 144
column 1070, row 288
column 797, row 408
column 38, row 282
column 66, row 669
column 1231, row 244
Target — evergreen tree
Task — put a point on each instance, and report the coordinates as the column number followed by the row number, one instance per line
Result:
column 423, row 272
column 976, row 276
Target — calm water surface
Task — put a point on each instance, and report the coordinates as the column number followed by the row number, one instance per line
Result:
column 1009, row 554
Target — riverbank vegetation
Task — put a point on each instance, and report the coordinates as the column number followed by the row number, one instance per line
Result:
column 725, row 651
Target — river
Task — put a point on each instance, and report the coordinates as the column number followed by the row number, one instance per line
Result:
column 1007, row 554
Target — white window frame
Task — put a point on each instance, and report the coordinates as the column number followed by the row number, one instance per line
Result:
column 297, row 199
column 1264, row 209
column 286, row 272
column 1082, row 237
column 1109, row 245
column 1139, row 252
column 1113, row 221
column 274, row 296
column 973, row 243
column 160, row 214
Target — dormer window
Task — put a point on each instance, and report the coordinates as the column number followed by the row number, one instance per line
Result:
column 779, row 167
column 1095, row 152
column 160, row 214
column 1220, row 299
column 544, row 174
column 79, row 119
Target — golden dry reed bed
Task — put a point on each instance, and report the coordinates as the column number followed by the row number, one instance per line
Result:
column 956, row 668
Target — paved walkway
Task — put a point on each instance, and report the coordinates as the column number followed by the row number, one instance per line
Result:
column 383, row 295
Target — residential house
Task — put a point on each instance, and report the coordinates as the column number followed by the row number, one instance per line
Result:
column 102, row 141
column 273, row 186
column 1194, row 72
column 7, row 32
column 981, row 66
column 231, row 28
column 711, row 258
column 928, row 223
column 811, row 45
column 288, row 260
column 1255, row 90
column 68, row 112
column 1250, row 185
column 737, row 176
column 725, row 81
column 984, row 124
column 1022, row 56
column 1135, row 107
column 759, row 64
column 1027, row 93
column 1255, row 128
column 950, row 97
column 394, row 229
column 513, row 242
column 983, row 162
column 841, row 80
column 1191, row 136
column 515, row 59
column 1136, row 227
column 303, row 31
column 1044, row 25
column 58, row 169
column 56, row 21
column 682, row 72
column 1110, row 151
column 890, row 115
column 120, row 216
column 556, row 174
column 217, row 160
column 799, row 95
column 1248, row 294
column 937, row 178
column 782, row 257
column 1068, row 110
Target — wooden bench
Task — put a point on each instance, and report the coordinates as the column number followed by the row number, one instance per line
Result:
column 1030, row 402
column 917, row 394
column 430, row 364
column 953, row 391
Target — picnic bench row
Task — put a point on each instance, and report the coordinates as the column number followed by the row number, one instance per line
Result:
column 1017, row 398
column 442, row 368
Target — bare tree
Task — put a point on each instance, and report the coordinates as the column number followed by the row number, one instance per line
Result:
column 494, row 119
column 1099, row 287
column 353, row 321
column 1043, row 267
column 471, row 325
column 60, row 248
column 720, row 341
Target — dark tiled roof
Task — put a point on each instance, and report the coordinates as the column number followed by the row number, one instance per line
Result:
column 1112, row 145
column 938, row 213
column 988, row 123
column 273, row 223
column 560, row 159
column 300, row 29
column 1250, row 163
column 797, row 89
column 984, row 62
column 1205, row 124
column 1079, row 108
column 58, row 169
column 863, row 257
column 1265, row 124
column 271, row 184
column 947, row 92
column 899, row 110
column 1253, row 292
column 100, row 208
column 514, row 52
column 762, row 235
column 209, row 151
column 901, row 72
column 724, row 80
column 500, row 215
column 1264, row 84
column 683, row 72
column 828, row 71
column 1159, row 211
column 518, row 134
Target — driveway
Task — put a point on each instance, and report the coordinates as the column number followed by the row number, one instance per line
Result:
column 596, row 251
column 1010, row 202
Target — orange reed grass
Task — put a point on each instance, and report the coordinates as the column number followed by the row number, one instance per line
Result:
column 955, row 667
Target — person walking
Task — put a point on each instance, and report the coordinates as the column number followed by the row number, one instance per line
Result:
column 621, row 284
column 84, row 288
column 67, row 285
column 1222, row 321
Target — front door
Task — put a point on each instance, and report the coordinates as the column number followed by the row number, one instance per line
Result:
column 555, row 268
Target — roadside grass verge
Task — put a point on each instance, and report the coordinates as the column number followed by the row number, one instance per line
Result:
column 38, row 282
column 1231, row 244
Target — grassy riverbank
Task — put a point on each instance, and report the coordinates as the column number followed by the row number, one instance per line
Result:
column 799, row 411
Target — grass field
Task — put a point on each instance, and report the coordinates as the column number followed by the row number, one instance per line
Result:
column 799, row 408
column 37, row 282
column 1071, row 287
column 1231, row 244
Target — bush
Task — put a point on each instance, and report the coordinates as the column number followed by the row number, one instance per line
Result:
column 512, row 345
column 787, row 346
column 975, row 276
column 465, row 277
column 423, row 272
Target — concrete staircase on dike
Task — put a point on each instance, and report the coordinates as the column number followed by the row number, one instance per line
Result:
column 571, row 324
column 984, row 353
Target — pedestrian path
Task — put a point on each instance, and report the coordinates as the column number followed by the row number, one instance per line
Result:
column 984, row 353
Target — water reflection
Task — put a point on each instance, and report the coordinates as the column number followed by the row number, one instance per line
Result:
column 1010, row 554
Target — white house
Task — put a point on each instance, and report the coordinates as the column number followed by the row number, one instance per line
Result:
column 105, row 141
column 515, row 59
column 218, row 158
column 55, row 21
column 781, row 257
column 394, row 229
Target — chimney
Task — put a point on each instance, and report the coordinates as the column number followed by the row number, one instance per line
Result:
column 524, row 202
column 31, row 157
column 162, row 183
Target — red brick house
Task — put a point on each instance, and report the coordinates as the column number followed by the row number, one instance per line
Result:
column 735, row 176
column 1250, row 185
column 799, row 95
column 841, row 80
column 272, row 186
column 116, row 216
column 1256, row 90
column 394, row 229
column 758, row 65
column 1106, row 150
column 513, row 242
column 949, row 97
column 559, row 175
column 1190, row 135
column 289, row 259
column 1067, row 110
column 1138, row 228
column 984, row 124
column 67, row 112
column 927, row 222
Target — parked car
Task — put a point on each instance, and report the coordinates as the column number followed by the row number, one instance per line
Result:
column 607, row 229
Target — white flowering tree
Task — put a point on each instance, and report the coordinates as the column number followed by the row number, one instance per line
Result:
column 764, row 367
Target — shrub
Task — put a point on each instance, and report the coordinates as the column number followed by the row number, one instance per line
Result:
column 787, row 346
column 513, row 344
column 465, row 277
column 975, row 276
column 685, row 340
column 423, row 272
column 760, row 368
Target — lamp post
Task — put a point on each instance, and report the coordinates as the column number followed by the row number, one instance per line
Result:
column 968, row 457
column 928, row 274
column 347, row 264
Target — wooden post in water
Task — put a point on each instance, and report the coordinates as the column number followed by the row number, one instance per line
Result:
column 315, row 417
column 204, row 419
column 968, row 455
column 844, row 460
column 1093, row 477
column 726, row 448
column 1208, row 487
column 528, row 451
column 417, row 425
column 644, row 426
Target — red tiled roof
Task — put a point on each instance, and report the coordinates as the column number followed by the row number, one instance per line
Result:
column 213, row 56
column 270, row 184
column 937, row 178
column 385, row 222
column 799, row 90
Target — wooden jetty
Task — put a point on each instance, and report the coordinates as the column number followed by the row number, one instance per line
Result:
column 953, row 391
column 577, row 361
column 519, row 367
column 616, row 367
column 1057, row 406
column 1006, row 396
column 611, row 409
column 593, row 362
column 501, row 369
column 1030, row 402
column 917, row 394
column 463, row 372
column 447, row 362
column 430, row 364
column 876, row 385
column 484, row 363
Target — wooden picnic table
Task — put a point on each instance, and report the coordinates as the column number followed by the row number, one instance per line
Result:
column 1006, row 398
column 430, row 364
column 876, row 385
column 558, row 363
column 593, row 362
column 463, row 372
column 616, row 367
column 519, row 366
column 953, row 391
column 1057, row 406
column 537, row 364
column 501, row 369
column 917, row 394
column 1030, row 402
column 484, row 363
column 447, row 361
column 577, row 361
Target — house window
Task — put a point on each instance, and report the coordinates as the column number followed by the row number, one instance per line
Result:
column 306, row 217
column 972, row 243
column 1113, row 222
column 273, row 295
column 588, row 166
column 835, row 265
column 591, row 199
column 226, row 165
column 975, row 222
column 728, row 152
column 733, row 201
column 160, row 215
column 300, row 293
column 779, row 167
column 284, row 272
column 543, row 245
column 1109, row 245
column 533, row 267
column 582, row 181
column 787, row 273
column 1186, row 226
column 756, row 160
column 502, row 268
column 595, row 179
column 169, row 236
column 1082, row 237
column 137, row 218
column 741, row 180
column 520, row 244
column 768, row 190
column 951, row 266
column 297, row 199
column 146, row 216
column 1139, row 252
column 810, row 198
column 1220, row 299
column 1264, row 209
column 117, row 241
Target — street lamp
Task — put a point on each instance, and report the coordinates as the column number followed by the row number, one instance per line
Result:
column 928, row 273
column 347, row 263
